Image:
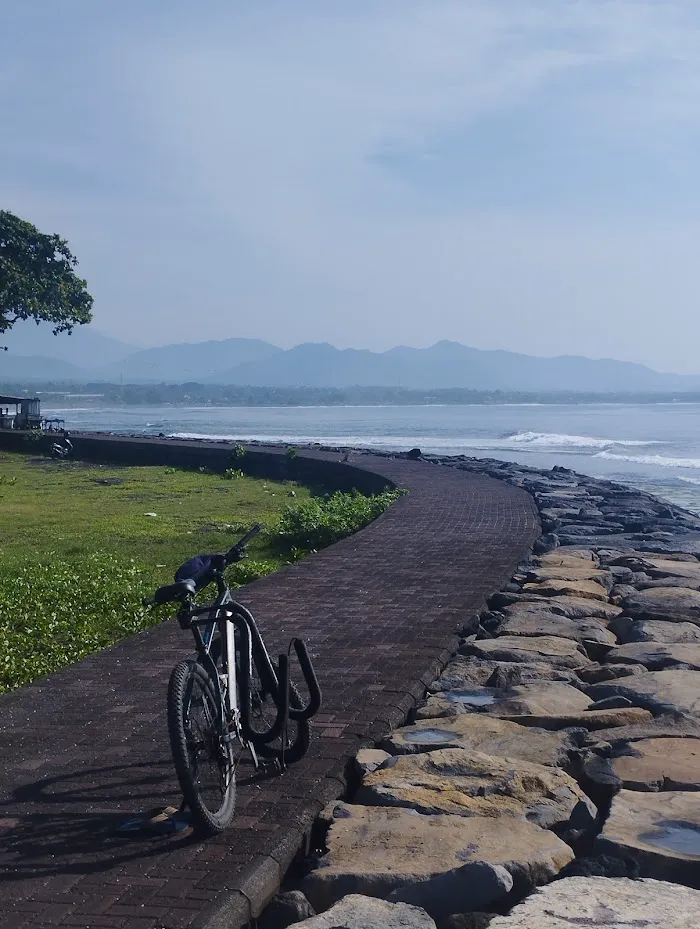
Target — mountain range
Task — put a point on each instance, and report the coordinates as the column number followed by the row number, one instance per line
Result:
column 35, row 355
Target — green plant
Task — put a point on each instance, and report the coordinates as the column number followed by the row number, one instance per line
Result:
column 318, row 522
column 231, row 474
column 54, row 612
column 292, row 453
column 238, row 452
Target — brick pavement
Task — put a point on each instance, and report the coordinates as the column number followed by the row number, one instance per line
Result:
column 87, row 747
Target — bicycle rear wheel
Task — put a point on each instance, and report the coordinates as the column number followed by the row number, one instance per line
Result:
column 203, row 761
column 293, row 743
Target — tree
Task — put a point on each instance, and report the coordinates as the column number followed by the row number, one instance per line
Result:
column 37, row 280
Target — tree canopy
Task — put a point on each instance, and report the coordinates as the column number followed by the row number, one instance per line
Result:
column 37, row 280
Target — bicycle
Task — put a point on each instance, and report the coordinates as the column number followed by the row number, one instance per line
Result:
column 231, row 692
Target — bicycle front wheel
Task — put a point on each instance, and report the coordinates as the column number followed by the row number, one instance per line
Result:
column 203, row 760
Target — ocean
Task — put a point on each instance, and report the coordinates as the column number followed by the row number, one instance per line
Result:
column 652, row 446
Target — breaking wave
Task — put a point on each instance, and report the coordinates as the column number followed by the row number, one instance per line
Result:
column 660, row 461
column 562, row 440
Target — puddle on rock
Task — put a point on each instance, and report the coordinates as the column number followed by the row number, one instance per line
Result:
column 429, row 735
column 680, row 837
column 480, row 697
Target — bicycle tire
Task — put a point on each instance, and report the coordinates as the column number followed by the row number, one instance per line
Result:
column 264, row 710
column 197, row 748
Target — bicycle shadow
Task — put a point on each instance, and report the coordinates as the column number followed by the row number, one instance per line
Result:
column 75, row 823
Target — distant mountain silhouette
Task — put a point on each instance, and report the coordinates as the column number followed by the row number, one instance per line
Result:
column 186, row 362
column 252, row 362
column 447, row 364
column 84, row 347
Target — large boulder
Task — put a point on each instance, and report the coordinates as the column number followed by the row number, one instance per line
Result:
column 580, row 572
column 472, row 887
column 654, row 630
column 656, row 656
column 467, row 783
column 573, row 607
column 658, row 691
column 661, row 831
column 467, row 673
column 585, row 589
column 359, row 912
column 586, row 630
column 374, row 850
column 562, row 653
column 592, row 720
column 666, row 726
column 658, row 764
column 610, row 903
column 478, row 732
column 669, row 604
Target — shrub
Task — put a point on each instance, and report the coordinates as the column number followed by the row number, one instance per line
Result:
column 232, row 474
column 322, row 521
column 55, row 612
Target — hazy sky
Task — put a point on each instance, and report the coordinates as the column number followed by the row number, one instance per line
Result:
column 518, row 174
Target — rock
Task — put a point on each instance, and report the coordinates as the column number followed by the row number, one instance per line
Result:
column 569, row 559
column 611, row 703
column 598, row 675
column 613, row 903
column 587, row 630
column 666, row 567
column 592, row 720
column 464, row 673
column 478, row 732
column 585, row 589
column 471, row 887
column 466, row 921
column 543, row 699
column 660, row 830
column 546, row 543
column 658, row 655
column 358, row 912
column 669, row 604
column 582, row 571
column 467, row 783
column 374, row 850
column 658, row 691
column 666, row 726
column 369, row 759
column 659, row 764
column 562, row 653
column 572, row 607
column 653, row 630
column 601, row 866
column 286, row 908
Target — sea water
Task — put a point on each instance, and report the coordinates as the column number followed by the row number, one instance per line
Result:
column 652, row 446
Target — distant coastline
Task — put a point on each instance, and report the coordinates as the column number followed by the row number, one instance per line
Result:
column 215, row 395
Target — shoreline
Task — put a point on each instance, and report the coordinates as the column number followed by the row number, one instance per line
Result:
column 564, row 673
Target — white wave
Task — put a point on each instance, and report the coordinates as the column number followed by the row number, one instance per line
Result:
column 660, row 461
column 689, row 480
column 563, row 440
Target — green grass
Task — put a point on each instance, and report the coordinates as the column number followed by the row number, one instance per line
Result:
column 78, row 548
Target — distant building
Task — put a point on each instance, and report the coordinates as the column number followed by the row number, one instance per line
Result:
column 26, row 415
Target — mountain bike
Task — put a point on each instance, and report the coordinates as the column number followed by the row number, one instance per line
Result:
column 232, row 696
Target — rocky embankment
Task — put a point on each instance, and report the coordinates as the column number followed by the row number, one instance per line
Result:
column 552, row 776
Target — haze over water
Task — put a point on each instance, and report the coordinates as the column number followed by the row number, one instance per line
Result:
column 653, row 446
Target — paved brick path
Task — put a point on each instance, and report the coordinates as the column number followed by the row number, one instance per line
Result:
column 86, row 748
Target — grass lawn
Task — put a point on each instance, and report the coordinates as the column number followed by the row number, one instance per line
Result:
column 71, row 509
column 78, row 549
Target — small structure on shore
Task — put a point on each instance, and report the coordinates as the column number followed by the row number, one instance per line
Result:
column 26, row 415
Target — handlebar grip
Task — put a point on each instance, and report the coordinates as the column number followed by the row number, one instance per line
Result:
column 235, row 553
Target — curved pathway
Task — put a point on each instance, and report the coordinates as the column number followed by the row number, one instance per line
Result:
column 86, row 748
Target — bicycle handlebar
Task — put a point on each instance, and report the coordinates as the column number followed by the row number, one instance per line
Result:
column 199, row 571
column 234, row 553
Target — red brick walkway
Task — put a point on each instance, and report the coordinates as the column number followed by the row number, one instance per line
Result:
column 86, row 748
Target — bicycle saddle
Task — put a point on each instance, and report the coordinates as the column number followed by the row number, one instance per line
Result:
column 175, row 591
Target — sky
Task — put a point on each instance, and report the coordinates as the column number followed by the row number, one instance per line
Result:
column 515, row 174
